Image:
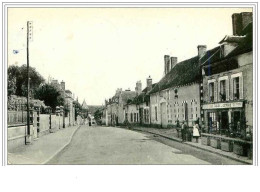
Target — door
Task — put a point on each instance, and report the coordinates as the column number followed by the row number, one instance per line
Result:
column 224, row 121
column 237, row 118
column 163, row 115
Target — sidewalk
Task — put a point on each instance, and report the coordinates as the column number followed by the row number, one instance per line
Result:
column 172, row 134
column 43, row 149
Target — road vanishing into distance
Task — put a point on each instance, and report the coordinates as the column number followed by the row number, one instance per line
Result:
column 117, row 146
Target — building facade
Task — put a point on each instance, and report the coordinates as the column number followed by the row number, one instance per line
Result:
column 138, row 110
column 114, row 107
column 176, row 97
column 228, row 82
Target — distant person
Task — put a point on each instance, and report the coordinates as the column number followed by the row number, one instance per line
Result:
column 183, row 131
column 196, row 133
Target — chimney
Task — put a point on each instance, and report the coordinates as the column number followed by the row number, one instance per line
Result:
column 166, row 64
column 149, row 83
column 247, row 18
column 138, row 88
column 202, row 49
column 236, row 24
column 174, row 61
column 240, row 21
column 62, row 84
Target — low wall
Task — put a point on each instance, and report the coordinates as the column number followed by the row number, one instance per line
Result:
column 17, row 132
column 16, row 136
column 44, row 124
column 67, row 121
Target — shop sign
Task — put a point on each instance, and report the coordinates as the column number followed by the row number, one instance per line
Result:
column 223, row 105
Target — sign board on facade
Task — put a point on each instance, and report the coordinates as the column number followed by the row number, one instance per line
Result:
column 223, row 105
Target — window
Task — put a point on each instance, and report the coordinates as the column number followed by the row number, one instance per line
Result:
column 222, row 93
column 131, row 117
column 134, row 117
column 126, row 118
column 155, row 113
column 236, row 88
column 211, row 92
column 168, row 94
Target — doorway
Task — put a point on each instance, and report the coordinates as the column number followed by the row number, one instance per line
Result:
column 236, row 119
column 163, row 115
column 224, row 120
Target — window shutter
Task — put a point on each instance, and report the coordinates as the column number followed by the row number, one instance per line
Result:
column 227, row 89
column 241, row 87
column 218, row 91
column 215, row 91
column 231, row 88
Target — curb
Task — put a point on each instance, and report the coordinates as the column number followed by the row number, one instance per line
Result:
column 214, row 152
column 62, row 146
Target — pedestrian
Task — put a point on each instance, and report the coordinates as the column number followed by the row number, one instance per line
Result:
column 183, row 131
column 196, row 133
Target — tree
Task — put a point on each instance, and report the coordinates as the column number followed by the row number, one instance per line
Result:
column 98, row 115
column 12, row 72
column 18, row 76
column 78, row 108
column 50, row 95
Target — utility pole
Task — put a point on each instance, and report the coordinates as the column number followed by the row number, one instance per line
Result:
column 29, row 37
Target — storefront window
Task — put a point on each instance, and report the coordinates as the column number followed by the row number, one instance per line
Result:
column 212, row 123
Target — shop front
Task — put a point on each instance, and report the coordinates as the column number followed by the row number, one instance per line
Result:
column 225, row 127
column 224, row 118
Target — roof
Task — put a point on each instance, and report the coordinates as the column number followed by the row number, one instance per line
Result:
column 183, row 73
column 68, row 91
column 84, row 105
column 232, row 39
column 93, row 108
column 126, row 95
column 220, row 64
column 145, row 90
column 211, row 56
column 142, row 97
column 244, row 45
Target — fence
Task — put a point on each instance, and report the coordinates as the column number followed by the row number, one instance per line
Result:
column 17, row 117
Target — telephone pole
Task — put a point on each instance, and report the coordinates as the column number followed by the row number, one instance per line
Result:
column 29, row 37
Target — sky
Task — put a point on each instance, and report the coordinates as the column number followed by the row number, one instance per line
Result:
column 97, row 50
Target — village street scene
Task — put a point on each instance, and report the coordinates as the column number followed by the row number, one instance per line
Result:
column 95, row 108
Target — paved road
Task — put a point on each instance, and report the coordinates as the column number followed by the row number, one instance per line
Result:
column 109, row 145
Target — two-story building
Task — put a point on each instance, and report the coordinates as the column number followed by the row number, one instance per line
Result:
column 176, row 97
column 228, row 81
column 138, row 110
column 114, row 107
